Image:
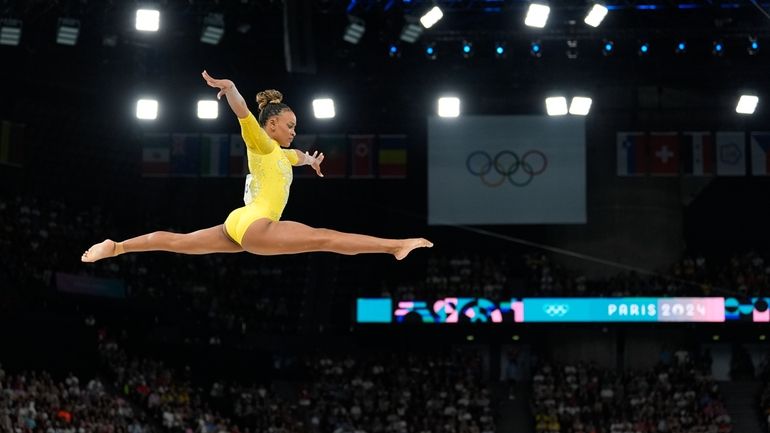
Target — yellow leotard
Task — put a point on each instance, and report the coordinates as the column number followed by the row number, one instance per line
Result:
column 271, row 176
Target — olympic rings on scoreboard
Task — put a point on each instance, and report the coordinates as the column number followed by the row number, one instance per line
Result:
column 506, row 164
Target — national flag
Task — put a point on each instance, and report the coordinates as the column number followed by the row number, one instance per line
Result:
column 215, row 155
column 760, row 153
column 664, row 153
column 156, row 155
column 238, row 163
column 11, row 143
column 185, row 155
column 698, row 153
column 632, row 153
column 362, row 156
column 392, row 156
column 731, row 153
column 307, row 143
column 335, row 150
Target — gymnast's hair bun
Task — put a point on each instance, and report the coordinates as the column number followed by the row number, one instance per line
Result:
column 268, row 97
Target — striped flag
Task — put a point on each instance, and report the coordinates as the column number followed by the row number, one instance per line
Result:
column 334, row 148
column 362, row 156
column 238, row 163
column 760, row 153
column 215, row 155
column 632, row 153
column 11, row 143
column 731, row 153
column 698, row 153
column 156, row 155
column 392, row 156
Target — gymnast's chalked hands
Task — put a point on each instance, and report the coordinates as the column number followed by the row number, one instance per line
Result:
column 222, row 85
column 315, row 162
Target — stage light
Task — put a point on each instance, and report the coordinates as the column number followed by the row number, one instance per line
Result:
column 68, row 31
column 208, row 109
column 147, row 109
column 354, row 30
column 467, row 49
column 681, row 47
column 431, row 17
column 448, row 106
column 323, row 108
column 556, row 106
column 537, row 15
column 10, row 32
column 596, row 15
column 608, row 47
column 718, row 48
column 147, row 20
column 644, row 48
column 500, row 50
column 393, row 51
column 536, row 49
column 213, row 29
column 431, row 52
column 580, row 105
column 747, row 104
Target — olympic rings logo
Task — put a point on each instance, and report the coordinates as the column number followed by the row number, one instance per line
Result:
column 519, row 170
column 556, row 310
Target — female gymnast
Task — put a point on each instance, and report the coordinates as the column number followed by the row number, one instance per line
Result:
column 256, row 227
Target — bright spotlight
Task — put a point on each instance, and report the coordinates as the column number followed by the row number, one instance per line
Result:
column 448, row 107
column 644, row 48
column 147, row 109
column 747, row 104
column 681, row 47
column 147, row 20
column 596, row 15
column 431, row 17
column 556, row 106
column 537, row 15
column 323, row 108
column 208, row 109
column 580, row 105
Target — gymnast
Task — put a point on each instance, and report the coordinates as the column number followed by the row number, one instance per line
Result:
column 257, row 227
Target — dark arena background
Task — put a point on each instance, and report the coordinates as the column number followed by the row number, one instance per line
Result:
column 598, row 197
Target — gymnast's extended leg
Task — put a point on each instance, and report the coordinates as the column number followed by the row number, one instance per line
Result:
column 206, row 241
column 266, row 237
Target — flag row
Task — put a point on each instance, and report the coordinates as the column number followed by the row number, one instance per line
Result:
column 694, row 153
column 224, row 155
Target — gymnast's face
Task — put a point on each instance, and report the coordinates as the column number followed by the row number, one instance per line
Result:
column 281, row 128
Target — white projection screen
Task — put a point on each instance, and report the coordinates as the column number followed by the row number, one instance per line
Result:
column 506, row 170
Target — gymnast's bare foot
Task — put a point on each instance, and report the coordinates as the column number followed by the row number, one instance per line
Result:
column 99, row 251
column 410, row 244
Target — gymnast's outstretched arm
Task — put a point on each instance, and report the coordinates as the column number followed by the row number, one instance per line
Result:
column 234, row 98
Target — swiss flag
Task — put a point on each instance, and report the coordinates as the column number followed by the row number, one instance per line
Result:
column 664, row 153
